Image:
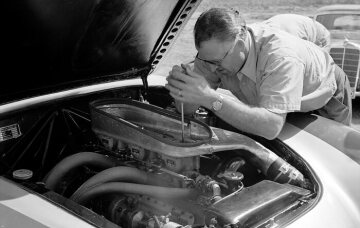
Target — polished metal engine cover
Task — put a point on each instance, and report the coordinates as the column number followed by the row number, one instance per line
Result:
column 146, row 125
column 159, row 130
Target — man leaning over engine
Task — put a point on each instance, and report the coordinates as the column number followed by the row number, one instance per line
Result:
column 269, row 72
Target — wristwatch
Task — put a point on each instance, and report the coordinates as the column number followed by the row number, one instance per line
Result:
column 217, row 105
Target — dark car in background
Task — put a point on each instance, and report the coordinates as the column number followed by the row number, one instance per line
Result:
column 343, row 22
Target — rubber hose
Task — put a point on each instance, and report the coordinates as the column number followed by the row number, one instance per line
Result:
column 114, row 174
column 130, row 188
column 270, row 164
column 274, row 167
column 71, row 162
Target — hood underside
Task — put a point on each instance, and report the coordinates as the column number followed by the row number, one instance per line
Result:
column 54, row 45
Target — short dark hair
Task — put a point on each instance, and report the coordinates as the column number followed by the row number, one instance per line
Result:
column 220, row 23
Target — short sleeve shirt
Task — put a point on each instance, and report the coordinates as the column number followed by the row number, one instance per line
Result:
column 302, row 27
column 279, row 72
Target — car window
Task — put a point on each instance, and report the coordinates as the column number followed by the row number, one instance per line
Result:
column 340, row 21
column 348, row 22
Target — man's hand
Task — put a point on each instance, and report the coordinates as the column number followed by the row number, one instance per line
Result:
column 189, row 87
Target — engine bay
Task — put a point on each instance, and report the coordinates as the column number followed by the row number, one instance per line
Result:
column 118, row 159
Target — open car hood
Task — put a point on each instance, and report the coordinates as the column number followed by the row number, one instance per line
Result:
column 56, row 45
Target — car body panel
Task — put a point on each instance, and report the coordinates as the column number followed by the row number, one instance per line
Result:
column 17, row 209
column 341, row 137
column 338, row 176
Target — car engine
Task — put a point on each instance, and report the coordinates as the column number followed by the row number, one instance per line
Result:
column 140, row 170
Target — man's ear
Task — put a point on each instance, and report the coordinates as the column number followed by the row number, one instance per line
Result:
column 243, row 32
column 242, row 45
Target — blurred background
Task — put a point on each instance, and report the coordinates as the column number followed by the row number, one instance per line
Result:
column 183, row 50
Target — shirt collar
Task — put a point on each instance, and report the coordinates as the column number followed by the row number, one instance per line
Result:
column 249, row 68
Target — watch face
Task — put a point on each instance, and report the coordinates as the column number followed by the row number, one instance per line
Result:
column 217, row 105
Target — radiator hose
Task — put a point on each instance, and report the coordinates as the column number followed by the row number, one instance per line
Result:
column 115, row 174
column 70, row 163
column 159, row 192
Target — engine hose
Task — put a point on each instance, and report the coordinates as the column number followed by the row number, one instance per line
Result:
column 54, row 177
column 114, row 174
column 130, row 188
column 207, row 184
column 274, row 167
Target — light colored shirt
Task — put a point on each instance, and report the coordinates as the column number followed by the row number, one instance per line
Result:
column 303, row 27
column 280, row 73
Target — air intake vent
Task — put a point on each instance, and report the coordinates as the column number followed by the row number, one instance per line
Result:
column 9, row 132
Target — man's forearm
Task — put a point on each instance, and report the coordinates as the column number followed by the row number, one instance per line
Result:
column 254, row 120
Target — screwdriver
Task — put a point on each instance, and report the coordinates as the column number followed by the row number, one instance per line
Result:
column 182, row 110
column 182, row 122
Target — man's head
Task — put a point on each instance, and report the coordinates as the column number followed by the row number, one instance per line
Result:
column 220, row 36
column 218, row 23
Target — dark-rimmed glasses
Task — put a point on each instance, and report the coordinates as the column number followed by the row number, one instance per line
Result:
column 217, row 63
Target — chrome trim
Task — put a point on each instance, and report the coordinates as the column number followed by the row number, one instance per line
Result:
column 10, row 107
